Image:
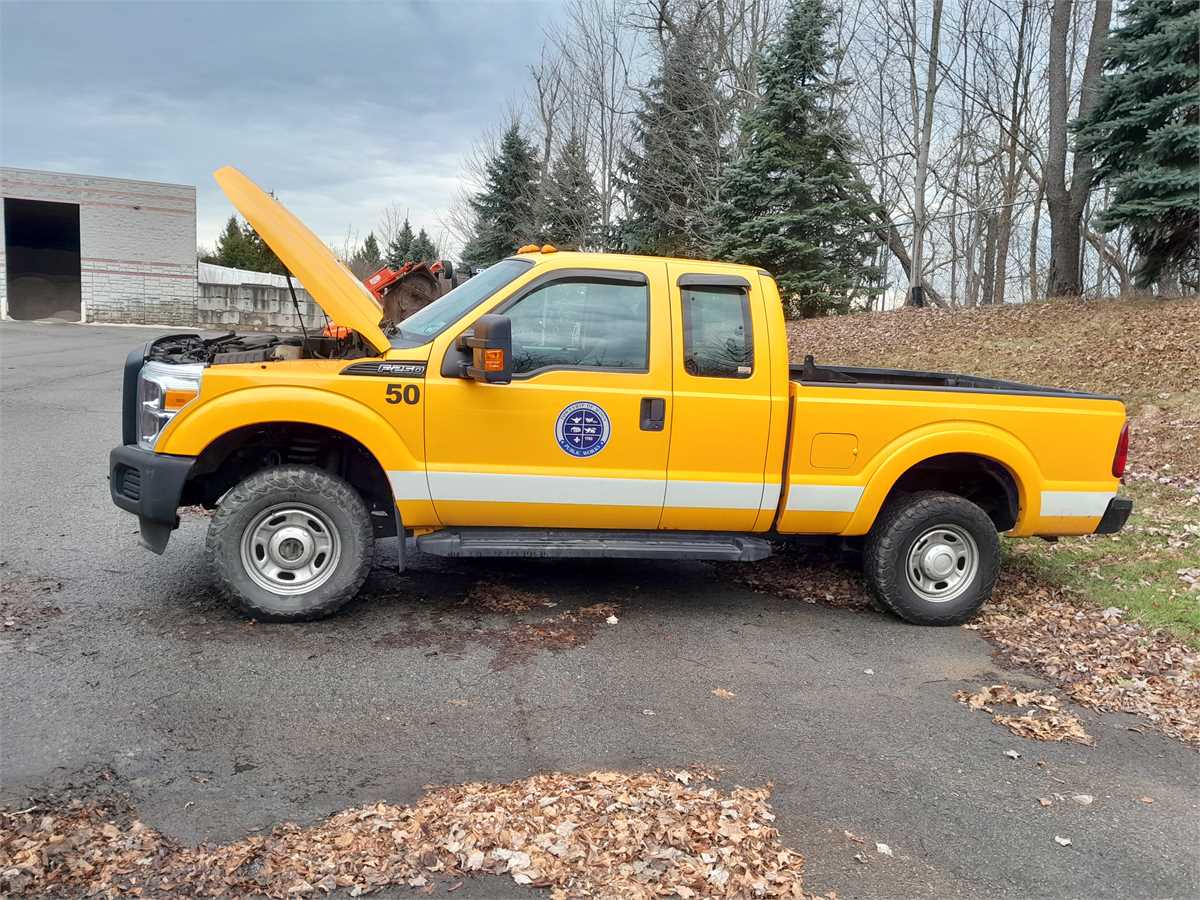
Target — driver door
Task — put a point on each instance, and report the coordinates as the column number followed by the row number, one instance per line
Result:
column 579, row 437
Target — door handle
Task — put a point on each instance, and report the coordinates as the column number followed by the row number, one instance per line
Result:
column 654, row 413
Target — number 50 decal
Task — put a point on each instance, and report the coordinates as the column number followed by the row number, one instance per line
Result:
column 404, row 393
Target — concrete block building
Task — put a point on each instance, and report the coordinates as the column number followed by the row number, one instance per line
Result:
column 84, row 248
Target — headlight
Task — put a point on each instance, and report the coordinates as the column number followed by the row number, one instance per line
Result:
column 163, row 390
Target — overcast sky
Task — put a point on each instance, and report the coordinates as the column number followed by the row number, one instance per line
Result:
column 340, row 108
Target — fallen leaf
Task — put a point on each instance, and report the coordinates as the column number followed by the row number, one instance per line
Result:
column 598, row 834
column 1045, row 720
column 1146, row 799
column 1045, row 801
column 723, row 694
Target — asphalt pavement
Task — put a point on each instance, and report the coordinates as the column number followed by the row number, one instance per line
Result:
column 122, row 662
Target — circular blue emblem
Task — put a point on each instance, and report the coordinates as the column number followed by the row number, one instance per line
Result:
column 582, row 429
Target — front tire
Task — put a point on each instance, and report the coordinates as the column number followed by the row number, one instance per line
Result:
column 291, row 544
column 932, row 558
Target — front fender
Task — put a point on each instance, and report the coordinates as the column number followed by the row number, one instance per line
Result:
column 938, row 439
column 193, row 430
column 190, row 432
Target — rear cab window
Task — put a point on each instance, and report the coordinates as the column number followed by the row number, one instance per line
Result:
column 718, row 334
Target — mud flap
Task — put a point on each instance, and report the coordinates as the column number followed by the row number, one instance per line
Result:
column 154, row 535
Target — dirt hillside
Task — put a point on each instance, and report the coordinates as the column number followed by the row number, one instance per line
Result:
column 1146, row 352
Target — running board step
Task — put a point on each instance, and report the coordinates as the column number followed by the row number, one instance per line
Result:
column 574, row 542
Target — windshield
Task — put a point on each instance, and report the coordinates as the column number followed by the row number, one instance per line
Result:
column 426, row 324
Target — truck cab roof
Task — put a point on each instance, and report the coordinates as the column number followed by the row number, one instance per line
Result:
column 592, row 260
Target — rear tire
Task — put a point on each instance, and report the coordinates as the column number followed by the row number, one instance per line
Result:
column 932, row 558
column 291, row 544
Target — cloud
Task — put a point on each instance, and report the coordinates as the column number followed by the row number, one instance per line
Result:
column 342, row 109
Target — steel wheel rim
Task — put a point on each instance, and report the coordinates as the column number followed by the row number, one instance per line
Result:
column 942, row 563
column 290, row 548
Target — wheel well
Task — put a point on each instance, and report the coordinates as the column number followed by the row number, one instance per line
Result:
column 985, row 482
column 244, row 451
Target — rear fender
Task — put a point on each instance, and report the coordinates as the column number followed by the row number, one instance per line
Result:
column 925, row 443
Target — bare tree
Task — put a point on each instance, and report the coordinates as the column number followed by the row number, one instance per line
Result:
column 922, row 104
column 1011, row 126
column 390, row 222
column 548, row 95
column 598, row 49
column 1066, row 202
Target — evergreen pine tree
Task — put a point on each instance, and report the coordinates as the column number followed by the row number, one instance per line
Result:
column 676, row 155
column 423, row 249
column 262, row 257
column 1144, row 132
column 370, row 252
column 571, row 202
column 231, row 248
column 400, row 248
column 792, row 203
column 505, row 216
column 240, row 247
column 367, row 258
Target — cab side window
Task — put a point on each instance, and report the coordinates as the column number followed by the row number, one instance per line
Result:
column 718, row 338
column 582, row 322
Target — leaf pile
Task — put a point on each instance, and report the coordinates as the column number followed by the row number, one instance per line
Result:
column 498, row 597
column 608, row 834
column 808, row 574
column 1143, row 351
column 1100, row 660
column 1045, row 719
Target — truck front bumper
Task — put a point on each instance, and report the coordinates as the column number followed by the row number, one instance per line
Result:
column 1115, row 515
column 149, row 485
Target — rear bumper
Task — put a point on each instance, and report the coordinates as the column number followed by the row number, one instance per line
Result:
column 1115, row 515
column 149, row 485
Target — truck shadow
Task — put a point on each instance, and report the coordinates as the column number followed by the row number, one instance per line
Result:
column 514, row 608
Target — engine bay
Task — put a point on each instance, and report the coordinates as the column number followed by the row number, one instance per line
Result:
column 231, row 347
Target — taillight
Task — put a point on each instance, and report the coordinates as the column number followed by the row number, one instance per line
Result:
column 1122, row 454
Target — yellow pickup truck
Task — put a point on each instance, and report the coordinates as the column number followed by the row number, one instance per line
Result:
column 589, row 405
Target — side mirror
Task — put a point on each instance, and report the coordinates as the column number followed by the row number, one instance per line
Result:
column 491, row 350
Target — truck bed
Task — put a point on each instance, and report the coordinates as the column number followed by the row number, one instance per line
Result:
column 855, row 376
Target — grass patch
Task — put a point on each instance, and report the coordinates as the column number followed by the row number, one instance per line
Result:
column 1138, row 569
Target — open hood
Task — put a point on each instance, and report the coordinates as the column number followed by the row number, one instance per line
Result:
column 330, row 283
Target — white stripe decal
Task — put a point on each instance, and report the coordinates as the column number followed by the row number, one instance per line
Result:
column 770, row 497
column 1075, row 503
column 565, row 489
column 714, row 495
column 409, row 486
column 638, row 492
column 823, row 497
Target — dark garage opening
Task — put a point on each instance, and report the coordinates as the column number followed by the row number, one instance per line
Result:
column 41, row 243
